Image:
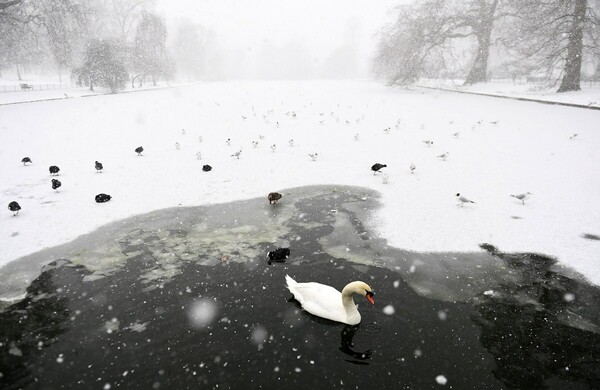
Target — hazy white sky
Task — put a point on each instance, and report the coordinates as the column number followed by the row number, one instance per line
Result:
column 319, row 25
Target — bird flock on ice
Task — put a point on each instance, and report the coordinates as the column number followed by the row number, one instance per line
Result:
column 273, row 197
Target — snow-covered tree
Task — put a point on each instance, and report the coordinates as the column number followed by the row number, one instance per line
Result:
column 189, row 49
column 556, row 36
column 424, row 32
column 33, row 29
column 150, row 57
column 104, row 65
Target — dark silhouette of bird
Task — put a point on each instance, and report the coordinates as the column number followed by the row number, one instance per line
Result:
column 206, row 168
column 26, row 160
column 14, row 207
column 279, row 254
column 56, row 184
column 99, row 166
column 102, row 198
column 54, row 170
column 274, row 197
column 376, row 167
column 139, row 150
column 463, row 200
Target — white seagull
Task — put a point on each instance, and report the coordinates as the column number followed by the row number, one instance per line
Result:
column 523, row 197
column 444, row 156
column 463, row 200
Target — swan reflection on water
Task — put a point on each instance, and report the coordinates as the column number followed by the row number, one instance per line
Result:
column 348, row 333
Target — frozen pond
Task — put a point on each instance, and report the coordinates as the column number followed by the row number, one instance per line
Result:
column 184, row 298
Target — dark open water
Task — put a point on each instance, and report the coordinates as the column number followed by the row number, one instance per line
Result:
column 184, row 298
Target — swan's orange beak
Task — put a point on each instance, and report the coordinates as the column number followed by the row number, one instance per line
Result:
column 370, row 297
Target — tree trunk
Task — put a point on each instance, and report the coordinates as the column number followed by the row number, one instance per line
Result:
column 483, row 31
column 572, row 73
column 19, row 73
column 478, row 73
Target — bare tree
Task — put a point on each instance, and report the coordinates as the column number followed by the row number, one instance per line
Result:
column 556, row 36
column 119, row 18
column 33, row 28
column 189, row 49
column 405, row 46
column 150, row 57
column 424, row 30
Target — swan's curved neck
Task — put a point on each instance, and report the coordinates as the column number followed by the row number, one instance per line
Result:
column 347, row 299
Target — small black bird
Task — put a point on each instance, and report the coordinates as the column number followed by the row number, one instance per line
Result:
column 54, row 170
column 56, row 184
column 274, row 197
column 14, row 207
column 376, row 167
column 26, row 160
column 206, row 168
column 139, row 150
column 102, row 198
column 99, row 166
column 279, row 254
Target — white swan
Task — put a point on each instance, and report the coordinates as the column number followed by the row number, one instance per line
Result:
column 327, row 302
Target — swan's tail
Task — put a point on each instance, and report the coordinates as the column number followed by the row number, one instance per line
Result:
column 290, row 282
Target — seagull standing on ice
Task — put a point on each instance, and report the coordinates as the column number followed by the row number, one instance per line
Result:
column 273, row 147
column 463, row 200
column 177, row 145
column 237, row 154
column 291, row 142
column 412, row 168
column 428, row 142
column 384, row 178
column 444, row 156
column 313, row 156
column 523, row 197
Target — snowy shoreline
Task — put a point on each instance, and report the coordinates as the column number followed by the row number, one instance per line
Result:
column 504, row 147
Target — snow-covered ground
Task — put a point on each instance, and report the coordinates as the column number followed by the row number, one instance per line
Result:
column 11, row 92
column 588, row 96
column 504, row 147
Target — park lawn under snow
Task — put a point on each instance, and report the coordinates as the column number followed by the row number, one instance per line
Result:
column 588, row 96
column 528, row 149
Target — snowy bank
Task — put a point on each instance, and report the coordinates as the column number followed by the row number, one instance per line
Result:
column 503, row 147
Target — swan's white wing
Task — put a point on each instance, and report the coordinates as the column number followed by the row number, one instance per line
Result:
column 320, row 300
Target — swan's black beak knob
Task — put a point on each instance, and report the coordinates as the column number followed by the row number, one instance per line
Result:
column 370, row 297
